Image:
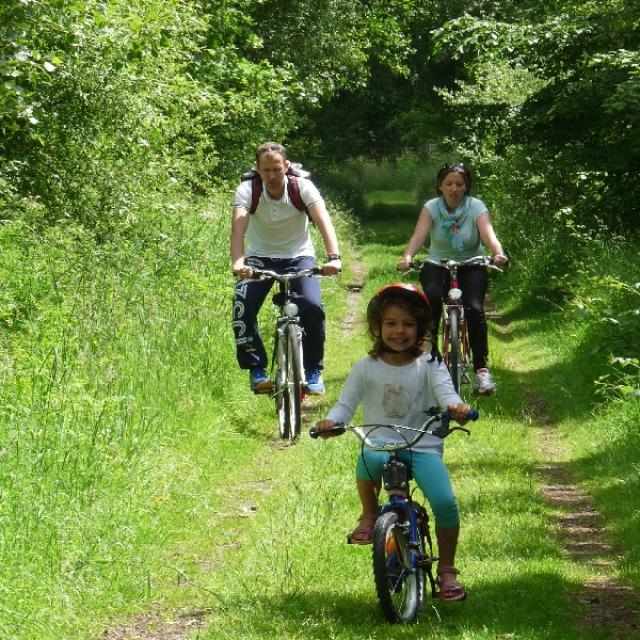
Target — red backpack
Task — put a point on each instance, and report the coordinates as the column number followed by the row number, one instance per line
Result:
column 294, row 172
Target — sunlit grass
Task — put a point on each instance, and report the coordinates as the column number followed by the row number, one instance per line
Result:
column 140, row 475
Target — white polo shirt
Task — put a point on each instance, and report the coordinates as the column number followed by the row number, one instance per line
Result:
column 277, row 229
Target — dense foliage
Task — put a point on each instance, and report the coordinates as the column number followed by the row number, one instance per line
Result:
column 122, row 126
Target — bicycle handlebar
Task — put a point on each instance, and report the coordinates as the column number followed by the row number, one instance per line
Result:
column 264, row 274
column 449, row 263
column 441, row 431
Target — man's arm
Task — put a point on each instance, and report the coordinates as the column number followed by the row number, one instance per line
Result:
column 320, row 216
column 239, row 224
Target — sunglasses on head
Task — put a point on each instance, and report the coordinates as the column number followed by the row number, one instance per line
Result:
column 454, row 165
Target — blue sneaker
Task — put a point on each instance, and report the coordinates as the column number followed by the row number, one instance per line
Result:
column 315, row 385
column 259, row 380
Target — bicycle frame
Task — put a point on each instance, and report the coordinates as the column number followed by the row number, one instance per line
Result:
column 455, row 341
column 455, row 347
column 287, row 357
column 400, row 557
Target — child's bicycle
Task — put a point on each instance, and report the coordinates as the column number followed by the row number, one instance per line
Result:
column 455, row 342
column 402, row 547
column 286, row 361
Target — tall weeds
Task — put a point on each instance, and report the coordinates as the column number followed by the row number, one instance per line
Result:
column 106, row 353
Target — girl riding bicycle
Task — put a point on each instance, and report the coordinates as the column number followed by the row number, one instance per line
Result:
column 397, row 383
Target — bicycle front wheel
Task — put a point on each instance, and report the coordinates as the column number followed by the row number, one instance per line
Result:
column 454, row 362
column 400, row 581
column 280, row 386
column 293, row 390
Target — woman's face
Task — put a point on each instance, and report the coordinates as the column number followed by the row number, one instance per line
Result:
column 399, row 329
column 453, row 187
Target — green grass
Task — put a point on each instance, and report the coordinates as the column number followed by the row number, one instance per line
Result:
column 296, row 578
column 140, row 475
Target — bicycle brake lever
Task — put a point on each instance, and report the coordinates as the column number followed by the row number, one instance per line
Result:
column 460, row 429
column 444, row 430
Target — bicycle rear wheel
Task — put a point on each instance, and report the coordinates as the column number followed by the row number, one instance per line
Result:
column 293, row 391
column 400, row 580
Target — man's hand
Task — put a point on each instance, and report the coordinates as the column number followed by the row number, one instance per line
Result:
column 331, row 268
column 241, row 270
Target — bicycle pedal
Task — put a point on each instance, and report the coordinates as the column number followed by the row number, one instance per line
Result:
column 426, row 562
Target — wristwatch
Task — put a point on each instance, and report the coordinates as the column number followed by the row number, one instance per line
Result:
column 334, row 256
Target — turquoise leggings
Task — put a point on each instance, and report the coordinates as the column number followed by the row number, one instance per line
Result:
column 430, row 474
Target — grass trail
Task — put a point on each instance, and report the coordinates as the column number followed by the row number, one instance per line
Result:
column 275, row 563
column 287, row 571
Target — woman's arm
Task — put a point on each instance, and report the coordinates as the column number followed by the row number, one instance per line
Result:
column 489, row 239
column 420, row 233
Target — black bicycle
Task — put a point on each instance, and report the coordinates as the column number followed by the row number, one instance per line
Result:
column 287, row 369
column 402, row 548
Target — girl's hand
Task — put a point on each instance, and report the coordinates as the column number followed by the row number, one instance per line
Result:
column 324, row 425
column 459, row 412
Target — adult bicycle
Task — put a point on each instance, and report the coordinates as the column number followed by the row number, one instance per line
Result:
column 455, row 339
column 402, row 550
column 287, row 368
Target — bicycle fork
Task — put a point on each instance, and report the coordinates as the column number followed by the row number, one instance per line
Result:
column 405, row 539
column 281, row 354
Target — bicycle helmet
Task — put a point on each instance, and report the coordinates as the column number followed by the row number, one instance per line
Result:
column 403, row 289
column 403, row 294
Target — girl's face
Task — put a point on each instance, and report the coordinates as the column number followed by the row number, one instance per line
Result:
column 453, row 187
column 399, row 329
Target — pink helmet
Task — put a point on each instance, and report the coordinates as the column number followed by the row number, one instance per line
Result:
column 403, row 289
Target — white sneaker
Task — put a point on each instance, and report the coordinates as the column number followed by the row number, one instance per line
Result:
column 485, row 385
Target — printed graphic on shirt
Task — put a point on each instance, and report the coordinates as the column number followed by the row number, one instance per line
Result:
column 450, row 228
column 396, row 401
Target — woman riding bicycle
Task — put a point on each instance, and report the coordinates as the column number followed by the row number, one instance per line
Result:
column 397, row 384
column 459, row 225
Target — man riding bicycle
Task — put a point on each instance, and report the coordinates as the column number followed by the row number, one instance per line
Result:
column 278, row 238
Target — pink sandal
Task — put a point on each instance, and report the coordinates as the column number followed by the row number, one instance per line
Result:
column 453, row 591
column 362, row 534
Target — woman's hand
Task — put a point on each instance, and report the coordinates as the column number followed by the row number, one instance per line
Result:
column 459, row 412
column 404, row 264
column 499, row 259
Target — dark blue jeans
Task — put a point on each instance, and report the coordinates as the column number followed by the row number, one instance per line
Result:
column 247, row 302
column 473, row 282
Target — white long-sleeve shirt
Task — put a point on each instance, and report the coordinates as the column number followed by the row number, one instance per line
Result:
column 396, row 395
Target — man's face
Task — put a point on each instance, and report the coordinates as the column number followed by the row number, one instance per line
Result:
column 272, row 168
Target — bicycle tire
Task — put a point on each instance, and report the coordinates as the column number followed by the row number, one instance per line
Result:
column 280, row 386
column 400, row 582
column 454, row 362
column 293, row 392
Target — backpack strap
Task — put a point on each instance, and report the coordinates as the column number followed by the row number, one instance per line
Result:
column 256, row 192
column 293, row 190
